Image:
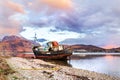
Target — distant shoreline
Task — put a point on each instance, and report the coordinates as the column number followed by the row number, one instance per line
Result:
column 92, row 55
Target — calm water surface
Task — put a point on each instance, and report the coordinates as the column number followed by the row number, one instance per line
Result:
column 105, row 64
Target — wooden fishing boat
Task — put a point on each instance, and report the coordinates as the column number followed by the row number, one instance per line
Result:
column 53, row 52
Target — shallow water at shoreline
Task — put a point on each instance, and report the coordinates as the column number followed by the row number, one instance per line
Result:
column 106, row 64
column 102, row 64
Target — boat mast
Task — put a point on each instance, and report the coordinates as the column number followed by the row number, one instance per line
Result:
column 36, row 41
column 35, row 38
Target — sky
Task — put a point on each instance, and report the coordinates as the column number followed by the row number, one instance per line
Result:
column 90, row 22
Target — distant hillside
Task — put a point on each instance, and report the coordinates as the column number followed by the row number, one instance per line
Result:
column 113, row 50
column 88, row 48
column 15, row 44
column 92, row 48
column 117, row 49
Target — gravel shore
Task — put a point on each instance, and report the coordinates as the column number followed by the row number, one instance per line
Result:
column 36, row 69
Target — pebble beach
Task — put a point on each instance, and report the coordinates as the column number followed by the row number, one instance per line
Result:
column 36, row 69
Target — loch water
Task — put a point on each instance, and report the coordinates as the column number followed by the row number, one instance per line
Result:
column 107, row 64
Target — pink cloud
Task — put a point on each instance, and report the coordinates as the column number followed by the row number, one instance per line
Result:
column 50, row 5
column 9, row 25
column 109, row 46
column 61, row 4
column 11, row 28
column 15, row 6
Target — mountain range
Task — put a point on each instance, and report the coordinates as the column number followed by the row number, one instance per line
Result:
column 87, row 48
column 20, row 44
column 15, row 44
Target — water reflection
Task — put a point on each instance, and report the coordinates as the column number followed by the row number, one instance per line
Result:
column 109, row 57
column 105, row 64
column 58, row 62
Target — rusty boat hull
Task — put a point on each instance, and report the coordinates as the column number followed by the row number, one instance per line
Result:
column 57, row 55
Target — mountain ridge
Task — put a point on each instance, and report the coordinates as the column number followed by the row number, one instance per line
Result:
column 19, row 44
column 15, row 44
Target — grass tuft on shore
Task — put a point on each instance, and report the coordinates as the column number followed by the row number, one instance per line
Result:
column 4, row 69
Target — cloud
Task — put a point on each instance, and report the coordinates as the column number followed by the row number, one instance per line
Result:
column 81, row 17
column 14, row 6
column 47, row 12
column 39, row 5
column 98, row 20
column 61, row 4
column 104, row 37
column 46, row 33
column 52, row 13
column 9, row 25
column 10, row 7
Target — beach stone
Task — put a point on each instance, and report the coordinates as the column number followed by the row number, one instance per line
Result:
column 36, row 69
